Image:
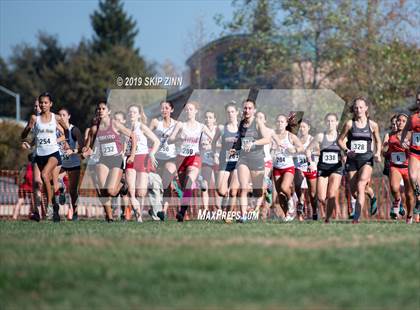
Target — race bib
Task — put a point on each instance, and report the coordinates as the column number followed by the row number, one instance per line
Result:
column 416, row 139
column 359, row 146
column 45, row 141
column 246, row 141
column 109, row 149
column 232, row 157
column 164, row 147
column 302, row 160
column 330, row 158
column 187, row 149
column 208, row 156
column 398, row 158
column 280, row 159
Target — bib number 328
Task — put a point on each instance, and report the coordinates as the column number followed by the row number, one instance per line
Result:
column 359, row 147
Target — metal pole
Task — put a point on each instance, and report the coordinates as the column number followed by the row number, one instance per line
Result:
column 17, row 97
column 17, row 108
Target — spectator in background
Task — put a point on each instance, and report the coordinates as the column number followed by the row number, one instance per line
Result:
column 25, row 180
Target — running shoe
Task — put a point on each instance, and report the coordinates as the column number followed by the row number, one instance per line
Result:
column 75, row 217
column 315, row 217
column 242, row 220
column 300, row 208
column 300, row 211
column 153, row 215
column 62, row 197
column 289, row 218
column 401, row 210
column 50, row 211
column 409, row 220
column 351, row 214
column 35, row 217
column 373, row 206
column 137, row 215
column 417, row 207
column 269, row 197
column 355, row 221
column 122, row 217
column 56, row 215
column 180, row 217
column 393, row 215
column 161, row 215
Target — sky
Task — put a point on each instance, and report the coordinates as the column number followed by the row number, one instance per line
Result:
column 165, row 27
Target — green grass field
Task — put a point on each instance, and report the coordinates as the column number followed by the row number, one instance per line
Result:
column 201, row 265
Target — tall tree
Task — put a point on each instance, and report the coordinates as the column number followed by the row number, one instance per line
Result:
column 352, row 47
column 112, row 27
column 258, row 61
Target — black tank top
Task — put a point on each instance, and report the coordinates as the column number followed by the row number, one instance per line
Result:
column 247, row 135
column 330, row 153
column 229, row 139
column 360, row 140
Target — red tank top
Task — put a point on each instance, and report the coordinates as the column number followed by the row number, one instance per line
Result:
column 109, row 141
column 415, row 127
column 397, row 153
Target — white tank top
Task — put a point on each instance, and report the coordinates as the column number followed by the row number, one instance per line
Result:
column 73, row 160
column 141, row 147
column 46, row 137
column 207, row 155
column 282, row 159
column 166, row 151
column 301, row 160
column 190, row 140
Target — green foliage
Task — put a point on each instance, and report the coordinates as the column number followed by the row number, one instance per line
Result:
column 11, row 154
column 112, row 27
column 76, row 76
column 351, row 47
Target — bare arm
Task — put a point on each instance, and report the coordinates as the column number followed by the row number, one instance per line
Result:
column 150, row 135
column 378, row 143
column 385, row 144
column 266, row 134
column 343, row 136
column 130, row 134
column 153, row 124
column 63, row 125
column 29, row 126
column 177, row 128
column 314, row 145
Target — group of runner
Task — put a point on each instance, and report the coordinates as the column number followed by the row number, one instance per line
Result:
column 241, row 165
